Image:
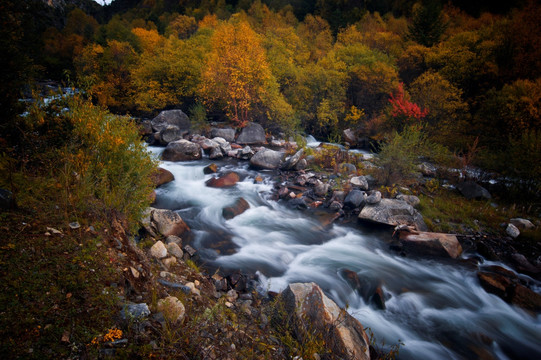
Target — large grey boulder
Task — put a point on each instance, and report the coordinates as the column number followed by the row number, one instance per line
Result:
column 226, row 133
column 167, row 118
column 315, row 314
column 181, row 150
column 253, row 133
column 267, row 159
column 471, row 190
column 360, row 182
column 393, row 212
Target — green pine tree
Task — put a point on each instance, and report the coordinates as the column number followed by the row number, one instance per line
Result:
column 428, row 24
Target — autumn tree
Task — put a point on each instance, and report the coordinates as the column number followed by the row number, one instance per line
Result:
column 236, row 76
column 182, row 27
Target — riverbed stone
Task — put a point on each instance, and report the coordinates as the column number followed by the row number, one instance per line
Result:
column 301, row 165
column 175, row 250
column 158, row 250
column 224, row 145
column 373, row 198
column 472, row 190
column 181, row 150
column 237, row 208
column 321, row 188
column 167, row 118
column 210, row 169
column 227, row 133
column 216, row 153
column 410, row 199
column 512, row 231
column 162, row 176
column 170, row 134
column 349, row 136
column 267, row 159
column 429, row 243
column 348, row 168
column 167, row 222
column 393, row 212
column 227, row 180
column 522, row 224
column 360, row 182
column 316, row 314
column 354, row 199
column 172, row 309
column 292, row 160
column 252, row 134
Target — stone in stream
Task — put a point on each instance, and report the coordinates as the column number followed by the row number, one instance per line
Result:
column 251, row 134
column 316, row 314
column 393, row 212
column 237, row 208
column 267, row 159
column 216, row 153
column 175, row 250
column 158, row 250
column 228, row 180
column 181, row 150
column 162, row 176
column 227, row 133
column 210, row 169
column 428, row 243
column 374, row 198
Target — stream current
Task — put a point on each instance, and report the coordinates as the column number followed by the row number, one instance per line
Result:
column 436, row 308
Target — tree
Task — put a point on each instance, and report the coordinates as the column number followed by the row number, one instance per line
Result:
column 236, row 75
column 404, row 112
column 427, row 24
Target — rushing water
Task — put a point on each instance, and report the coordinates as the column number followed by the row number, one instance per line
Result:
column 436, row 308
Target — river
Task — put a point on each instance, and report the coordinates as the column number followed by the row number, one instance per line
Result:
column 436, row 308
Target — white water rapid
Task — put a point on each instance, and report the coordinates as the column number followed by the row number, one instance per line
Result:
column 436, row 308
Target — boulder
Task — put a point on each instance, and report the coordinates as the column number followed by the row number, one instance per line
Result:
column 428, row 243
column 227, row 180
column 145, row 127
column 216, row 153
column 507, row 287
column 471, row 190
column 167, row 222
column 210, row 169
column 267, row 159
column 512, row 231
column 292, row 160
column 208, row 144
column 227, row 133
column 374, row 198
column 224, row 145
column 253, row 133
column 522, row 224
column 360, row 182
column 427, row 169
column 410, row 199
column 301, row 165
column 355, row 199
column 158, row 250
column 315, row 314
column 170, row 134
column 167, row 118
column 246, row 153
column 162, row 176
column 237, row 208
column 393, row 212
column 181, row 150
column 172, row 309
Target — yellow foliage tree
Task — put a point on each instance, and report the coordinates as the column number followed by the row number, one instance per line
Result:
column 236, row 75
column 150, row 39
